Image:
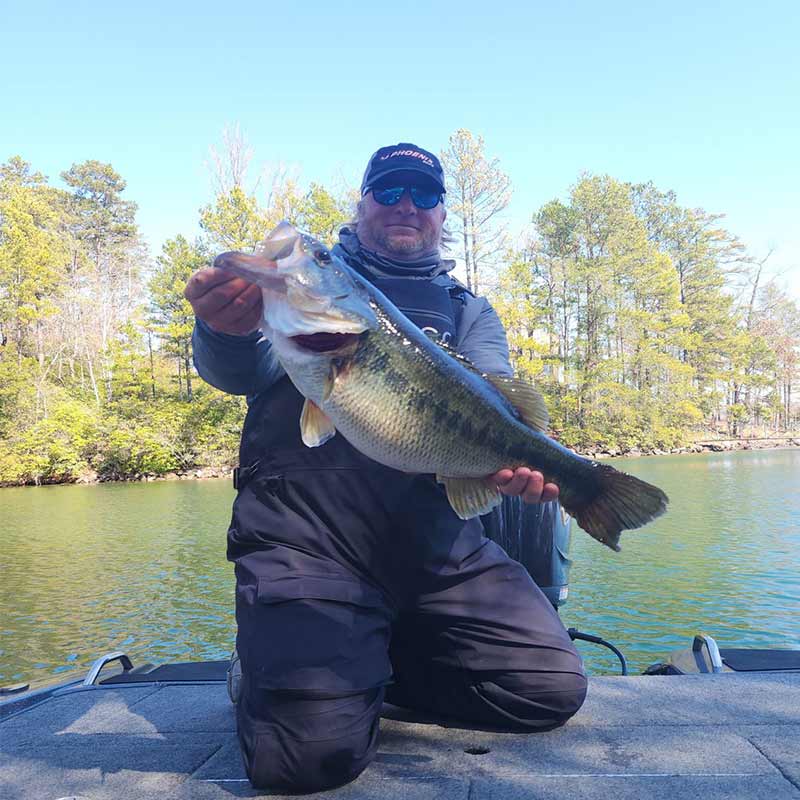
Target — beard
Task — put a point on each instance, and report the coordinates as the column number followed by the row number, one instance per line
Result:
column 421, row 243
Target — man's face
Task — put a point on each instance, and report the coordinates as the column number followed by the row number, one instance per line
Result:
column 400, row 231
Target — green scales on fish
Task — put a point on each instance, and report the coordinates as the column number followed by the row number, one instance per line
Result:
column 407, row 402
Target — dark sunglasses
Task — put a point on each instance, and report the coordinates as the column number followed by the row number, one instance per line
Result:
column 426, row 198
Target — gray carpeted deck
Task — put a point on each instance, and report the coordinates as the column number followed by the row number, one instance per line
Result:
column 728, row 736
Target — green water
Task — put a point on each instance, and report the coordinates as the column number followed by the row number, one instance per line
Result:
column 141, row 567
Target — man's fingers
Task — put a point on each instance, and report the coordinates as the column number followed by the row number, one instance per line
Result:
column 549, row 493
column 502, row 477
column 532, row 493
column 525, row 483
column 221, row 295
column 518, row 482
column 242, row 310
column 204, row 280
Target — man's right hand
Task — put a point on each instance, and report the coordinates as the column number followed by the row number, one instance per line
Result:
column 224, row 302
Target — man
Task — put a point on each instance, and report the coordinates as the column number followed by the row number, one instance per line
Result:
column 357, row 583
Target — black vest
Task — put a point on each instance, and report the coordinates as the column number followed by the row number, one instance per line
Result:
column 271, row 433
column 332, row 501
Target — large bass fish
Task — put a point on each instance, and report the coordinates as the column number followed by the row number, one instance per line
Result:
column 403, row 400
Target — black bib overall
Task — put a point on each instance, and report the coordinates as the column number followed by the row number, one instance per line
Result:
column 356, row 581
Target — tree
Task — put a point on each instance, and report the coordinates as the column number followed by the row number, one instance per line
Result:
column 170, row 311
column 32, row 274
column 322, row 214
column 234, row 221
column 702, row 254
column 19, row 172
column 478, row 192
column 593, row 314
column 776, row 324
column 106, row 265
column 237, row 220
column 229, row 165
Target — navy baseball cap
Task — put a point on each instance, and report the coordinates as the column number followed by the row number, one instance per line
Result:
column 403, row 157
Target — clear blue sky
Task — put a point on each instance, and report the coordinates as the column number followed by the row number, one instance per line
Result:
column 701, row 98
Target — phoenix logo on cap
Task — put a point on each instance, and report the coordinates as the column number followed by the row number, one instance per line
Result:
column 412, row 154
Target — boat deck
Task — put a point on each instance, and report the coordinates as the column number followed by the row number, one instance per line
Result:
column 722, row 736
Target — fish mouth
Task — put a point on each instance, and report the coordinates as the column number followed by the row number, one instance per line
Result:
column 325, row 342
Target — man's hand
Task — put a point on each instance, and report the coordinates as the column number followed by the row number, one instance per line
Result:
column 227, row 303
column 525, row 483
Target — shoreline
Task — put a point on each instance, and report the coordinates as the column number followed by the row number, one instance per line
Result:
column 705, row 446
column 700, row 446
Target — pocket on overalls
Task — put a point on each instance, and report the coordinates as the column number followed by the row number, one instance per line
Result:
column 325, row 633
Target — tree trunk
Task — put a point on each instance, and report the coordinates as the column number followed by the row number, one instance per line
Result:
column 467, row 262
column 92, row 378
column 188, row 370
column 152, row 368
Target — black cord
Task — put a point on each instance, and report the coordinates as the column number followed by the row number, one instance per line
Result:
column 574, row 633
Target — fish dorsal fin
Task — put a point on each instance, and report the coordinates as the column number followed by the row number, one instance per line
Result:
column 525, row 399
column 462, row 359
column 280, row 243
column 315, row 427
column 522, row 395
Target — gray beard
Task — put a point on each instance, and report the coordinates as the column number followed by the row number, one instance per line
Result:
column 406, row 249
column 417, row 267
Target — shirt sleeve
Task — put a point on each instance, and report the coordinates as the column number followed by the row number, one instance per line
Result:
column 235, row 364
column 484, row 343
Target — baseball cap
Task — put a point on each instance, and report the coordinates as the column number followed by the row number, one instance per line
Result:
column 402, row 157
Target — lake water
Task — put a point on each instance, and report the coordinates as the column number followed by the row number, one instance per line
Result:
column 141, row 567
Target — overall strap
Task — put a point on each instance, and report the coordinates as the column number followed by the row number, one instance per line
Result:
column 427, row 303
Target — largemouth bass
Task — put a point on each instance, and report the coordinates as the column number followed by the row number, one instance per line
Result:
column 405, row 401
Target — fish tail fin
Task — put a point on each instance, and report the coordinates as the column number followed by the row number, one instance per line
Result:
column 621, row 502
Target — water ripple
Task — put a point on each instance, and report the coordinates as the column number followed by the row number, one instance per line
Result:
column 141, row 567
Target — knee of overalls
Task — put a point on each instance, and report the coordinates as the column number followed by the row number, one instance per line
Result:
column 533, row 700
column 294, row 744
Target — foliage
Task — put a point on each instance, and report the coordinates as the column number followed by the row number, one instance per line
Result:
column 322, row 214
column 620, row 308
column 234, row 221
column 641, row 321
column 88, row 386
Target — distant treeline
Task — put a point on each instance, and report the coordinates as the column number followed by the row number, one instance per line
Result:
column 643, row 322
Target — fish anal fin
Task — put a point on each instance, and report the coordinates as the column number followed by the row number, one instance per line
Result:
column 315, row 426
column 470, row 497
column 525, row 398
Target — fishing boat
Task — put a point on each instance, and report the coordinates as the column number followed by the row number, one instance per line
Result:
column 710, row 721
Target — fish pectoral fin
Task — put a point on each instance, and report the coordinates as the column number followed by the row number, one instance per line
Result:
column 470, row 497
column 525, row 398
column 315, row 426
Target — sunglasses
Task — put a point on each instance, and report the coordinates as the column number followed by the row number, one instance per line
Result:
column 425, row 198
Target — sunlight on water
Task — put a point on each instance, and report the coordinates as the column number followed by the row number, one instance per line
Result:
column 141, row 567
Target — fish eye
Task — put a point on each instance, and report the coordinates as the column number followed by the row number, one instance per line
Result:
column 322, row 257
